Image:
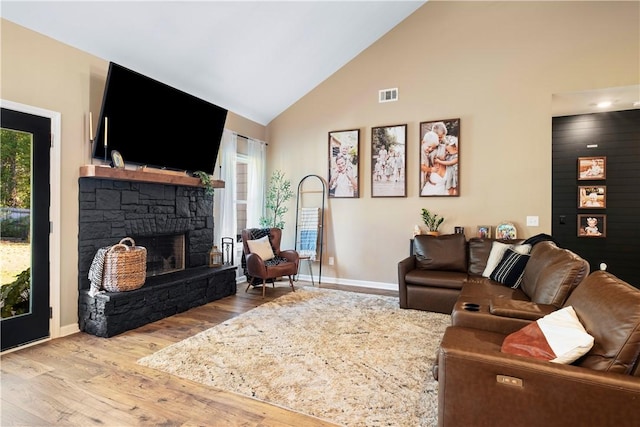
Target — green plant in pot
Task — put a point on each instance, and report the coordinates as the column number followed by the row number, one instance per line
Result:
column 278, row 193
column 432, row 221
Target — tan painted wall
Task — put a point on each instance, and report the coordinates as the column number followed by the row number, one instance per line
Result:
column 495, row 65
column 41, row 72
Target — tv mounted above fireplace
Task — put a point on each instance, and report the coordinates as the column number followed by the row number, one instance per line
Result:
column 153, row 124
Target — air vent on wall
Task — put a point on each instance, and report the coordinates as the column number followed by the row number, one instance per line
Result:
column 388, row 95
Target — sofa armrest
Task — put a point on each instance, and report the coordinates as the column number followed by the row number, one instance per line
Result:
column 523, row 391
column 528, row 310
column 404, row 266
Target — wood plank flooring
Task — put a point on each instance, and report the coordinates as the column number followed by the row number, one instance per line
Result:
column 83, row 380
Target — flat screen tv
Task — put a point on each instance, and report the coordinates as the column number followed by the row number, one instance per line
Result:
column 153, row 124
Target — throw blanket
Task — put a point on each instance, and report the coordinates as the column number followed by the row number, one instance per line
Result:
column 309, row 232
column 96, row 271
column 257, row 233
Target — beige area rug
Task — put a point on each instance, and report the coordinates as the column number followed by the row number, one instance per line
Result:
column 349, row 358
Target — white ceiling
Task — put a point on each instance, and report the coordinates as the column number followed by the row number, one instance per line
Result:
column 255, row 58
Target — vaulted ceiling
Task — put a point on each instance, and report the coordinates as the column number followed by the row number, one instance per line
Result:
column 255, row 58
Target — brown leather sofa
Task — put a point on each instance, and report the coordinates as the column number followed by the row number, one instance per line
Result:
column 479, row 385
column 444, row 275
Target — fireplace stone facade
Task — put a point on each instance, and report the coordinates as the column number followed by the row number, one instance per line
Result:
column 113, row 209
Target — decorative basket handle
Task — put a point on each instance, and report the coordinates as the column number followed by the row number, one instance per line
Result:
column 128, row 239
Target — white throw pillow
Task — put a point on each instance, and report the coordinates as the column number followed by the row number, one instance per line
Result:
column 261, row 247
column 497, row 252
column 558, row 337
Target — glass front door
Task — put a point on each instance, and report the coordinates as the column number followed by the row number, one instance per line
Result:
column 24, row 227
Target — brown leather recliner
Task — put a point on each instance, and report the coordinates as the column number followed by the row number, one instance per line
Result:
column 284, row 263
column 480, row 385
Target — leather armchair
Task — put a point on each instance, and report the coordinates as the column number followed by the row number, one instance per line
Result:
column 285, row 262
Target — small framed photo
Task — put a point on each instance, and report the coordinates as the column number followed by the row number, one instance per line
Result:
column 592, row 197
column 389, row 161
column 344, row 155
column 116, row 159
column 439, row 158
column 592, row 168
column 592, row 226
column 484, row 232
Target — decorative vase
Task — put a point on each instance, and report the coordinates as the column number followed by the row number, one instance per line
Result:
column 433, row 233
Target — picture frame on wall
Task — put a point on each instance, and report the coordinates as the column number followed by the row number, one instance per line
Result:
column 389, row 161
column 592, row 226
column 344, row 155
column 439, row 158
column 592, row 197
column 592, row 168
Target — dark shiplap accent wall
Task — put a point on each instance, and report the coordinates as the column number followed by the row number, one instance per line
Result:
column 617, row 135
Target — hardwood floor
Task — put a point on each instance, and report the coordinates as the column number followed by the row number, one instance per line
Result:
column 83, row 380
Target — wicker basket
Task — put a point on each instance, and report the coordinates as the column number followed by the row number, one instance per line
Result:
column 125, row 267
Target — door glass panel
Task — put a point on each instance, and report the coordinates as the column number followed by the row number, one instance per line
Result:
column 15, row 222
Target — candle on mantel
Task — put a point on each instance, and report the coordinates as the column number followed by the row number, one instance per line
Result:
column 106, row 127
column 90, row 126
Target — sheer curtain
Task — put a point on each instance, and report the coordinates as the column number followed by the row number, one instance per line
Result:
column 256, row 181
column 224, row 202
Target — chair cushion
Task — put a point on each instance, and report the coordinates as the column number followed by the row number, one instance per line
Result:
column 609, row 310
column 558, row 337
column 446, row 252
column 261, row 247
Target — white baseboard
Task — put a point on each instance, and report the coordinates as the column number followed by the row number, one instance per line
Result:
column 69, row 329
column 349, row 282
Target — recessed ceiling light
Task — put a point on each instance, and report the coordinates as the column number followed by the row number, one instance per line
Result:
column 604, row 104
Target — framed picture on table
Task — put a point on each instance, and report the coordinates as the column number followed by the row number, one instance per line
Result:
column 439, row 158
column 344, row 156
column 389, row 161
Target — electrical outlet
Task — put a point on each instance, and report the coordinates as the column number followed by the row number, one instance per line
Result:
column 331, row 260
column 533, row 221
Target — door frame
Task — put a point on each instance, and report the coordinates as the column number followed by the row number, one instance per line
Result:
column 54, row 213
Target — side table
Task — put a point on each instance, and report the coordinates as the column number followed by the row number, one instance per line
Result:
column 310, row 264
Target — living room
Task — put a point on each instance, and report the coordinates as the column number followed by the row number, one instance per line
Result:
column 494, row 65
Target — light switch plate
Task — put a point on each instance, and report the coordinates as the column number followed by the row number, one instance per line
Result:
column 533, row 221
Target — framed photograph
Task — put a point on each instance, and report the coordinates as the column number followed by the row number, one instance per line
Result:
column 439, row 158
column 506, row 231
column 116, row 159
column 592, row 226
column 592, row 197
column 484, row 232
column 389, row 161
column 592, row 168
column 344, row 155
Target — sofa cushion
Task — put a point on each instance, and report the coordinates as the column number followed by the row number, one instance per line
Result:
column 510, row 269
column 558, row 337
column 446, row 252
column 609, row 309
column 552, row 273
column 498, row 250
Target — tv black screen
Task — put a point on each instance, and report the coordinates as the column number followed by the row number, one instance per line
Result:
column 153, row 124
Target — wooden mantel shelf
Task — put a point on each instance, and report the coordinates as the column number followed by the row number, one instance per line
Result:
column 148, row 175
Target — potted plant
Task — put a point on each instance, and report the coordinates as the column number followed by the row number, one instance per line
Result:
column 432, row 221
column 278, row 194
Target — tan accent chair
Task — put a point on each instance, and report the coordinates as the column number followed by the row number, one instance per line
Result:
column 285, row 262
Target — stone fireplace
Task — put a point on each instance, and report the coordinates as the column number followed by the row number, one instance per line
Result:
column 173, row 219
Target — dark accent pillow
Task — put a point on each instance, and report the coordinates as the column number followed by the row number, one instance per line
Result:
column 542, row 237
column 445, row 252
column 510, row 269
